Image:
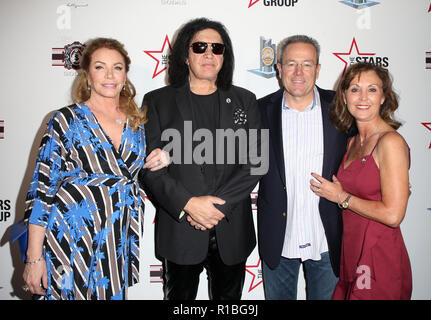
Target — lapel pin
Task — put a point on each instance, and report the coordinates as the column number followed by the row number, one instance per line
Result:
column 228, row 100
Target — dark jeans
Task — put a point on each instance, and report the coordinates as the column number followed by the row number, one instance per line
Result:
column 224, row 282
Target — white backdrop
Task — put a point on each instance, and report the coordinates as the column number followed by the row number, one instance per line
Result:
column 392, row 32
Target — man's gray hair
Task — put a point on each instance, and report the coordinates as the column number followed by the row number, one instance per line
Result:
column 294, row 39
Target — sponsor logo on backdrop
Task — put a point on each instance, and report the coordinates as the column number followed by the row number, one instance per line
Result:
column 274, row 3
column 360, row 4
column 5, row 210
column 354, row 55
column 173, row 2
column 428, row 60
column 69, row 56
column 256, row 273
column 1, row 129
column 253, row 196
column 268, row 59
column 428, row 126
column 160, row 56
column 156, row 273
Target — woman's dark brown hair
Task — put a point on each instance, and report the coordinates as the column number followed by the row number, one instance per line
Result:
column 340, row 115
column 81, row 91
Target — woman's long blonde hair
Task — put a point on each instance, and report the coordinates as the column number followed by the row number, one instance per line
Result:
column 81, row 91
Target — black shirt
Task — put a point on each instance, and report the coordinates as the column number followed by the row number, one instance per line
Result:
column 206, row 112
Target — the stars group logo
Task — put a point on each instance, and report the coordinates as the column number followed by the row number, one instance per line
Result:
column 274, row 3
column 428, row 126
column 354, row 56
column 160, row 56
column 256, row 272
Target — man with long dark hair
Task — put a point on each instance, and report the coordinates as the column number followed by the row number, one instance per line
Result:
column 204, row 216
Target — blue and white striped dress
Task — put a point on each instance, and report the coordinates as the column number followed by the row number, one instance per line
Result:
column 86, row 194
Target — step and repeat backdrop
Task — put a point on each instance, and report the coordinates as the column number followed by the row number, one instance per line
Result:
column 40, row 51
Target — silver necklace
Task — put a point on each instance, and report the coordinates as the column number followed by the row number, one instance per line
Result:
column 117, row 120
column 362, row 143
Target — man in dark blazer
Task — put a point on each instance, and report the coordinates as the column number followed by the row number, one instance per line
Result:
column 294, row 226
column 202, row 199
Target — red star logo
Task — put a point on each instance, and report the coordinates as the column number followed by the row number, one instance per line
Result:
column 252, row 2
column 354, row 44
column 255, row 271
column 162, row 56
column 428, row 126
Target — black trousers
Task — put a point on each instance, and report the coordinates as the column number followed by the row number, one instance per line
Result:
column 181, row 282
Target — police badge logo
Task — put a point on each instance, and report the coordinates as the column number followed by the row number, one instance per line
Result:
column 267, row 56
column 267, row 59
column 360, row 4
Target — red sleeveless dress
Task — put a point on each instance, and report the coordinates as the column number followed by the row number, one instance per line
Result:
column 374, row 261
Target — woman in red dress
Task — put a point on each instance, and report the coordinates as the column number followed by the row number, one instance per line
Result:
column 372, row 186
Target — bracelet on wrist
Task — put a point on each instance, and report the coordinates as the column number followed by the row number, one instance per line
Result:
column 34, row 262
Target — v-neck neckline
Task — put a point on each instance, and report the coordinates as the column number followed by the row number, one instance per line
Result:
column 366, row 158
column 119, row 151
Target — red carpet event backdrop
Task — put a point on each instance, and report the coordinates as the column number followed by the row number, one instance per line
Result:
column 41, row 46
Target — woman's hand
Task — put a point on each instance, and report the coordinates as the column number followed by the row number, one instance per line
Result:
column 157, row 160
column 326, row 189
column 35, row 273
column 36, row 277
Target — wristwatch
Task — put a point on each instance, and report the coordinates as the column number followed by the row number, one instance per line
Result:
column 345, row 203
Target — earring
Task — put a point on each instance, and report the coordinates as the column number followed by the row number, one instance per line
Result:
column 88, row 87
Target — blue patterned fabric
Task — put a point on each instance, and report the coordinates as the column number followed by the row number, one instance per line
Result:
column 85, row 193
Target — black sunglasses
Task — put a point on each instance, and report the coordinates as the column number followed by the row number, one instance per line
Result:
column 201, row 47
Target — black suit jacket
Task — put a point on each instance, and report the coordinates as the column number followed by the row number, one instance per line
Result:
column 272, row 198
column 170, row 188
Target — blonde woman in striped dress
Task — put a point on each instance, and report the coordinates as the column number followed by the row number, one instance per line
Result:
column 84, row 206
